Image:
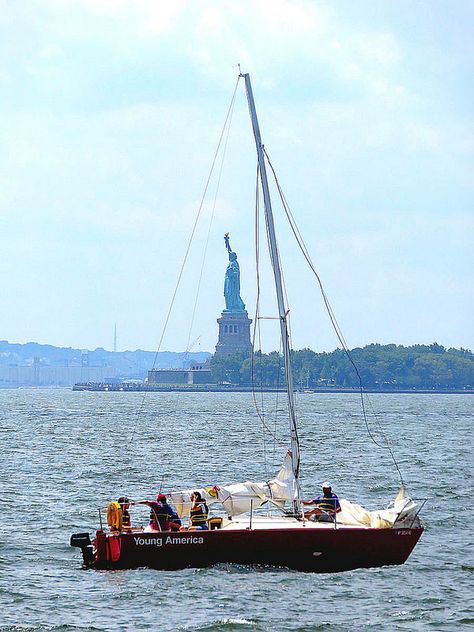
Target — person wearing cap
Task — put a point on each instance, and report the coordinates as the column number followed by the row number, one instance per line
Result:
column 325, row 506
column 174, row 523
column 162, row 516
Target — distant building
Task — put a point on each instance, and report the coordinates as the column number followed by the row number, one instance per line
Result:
column 197, row 374
column 44, row 375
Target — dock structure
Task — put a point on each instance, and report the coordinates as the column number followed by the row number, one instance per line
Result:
column 196, row 374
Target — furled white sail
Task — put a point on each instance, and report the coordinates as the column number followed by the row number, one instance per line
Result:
column 239, row 498
column 403, row 509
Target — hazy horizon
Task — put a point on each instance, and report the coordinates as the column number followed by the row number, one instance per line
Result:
column 211, row 352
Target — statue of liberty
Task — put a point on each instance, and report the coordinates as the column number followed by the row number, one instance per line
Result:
column 233, row 302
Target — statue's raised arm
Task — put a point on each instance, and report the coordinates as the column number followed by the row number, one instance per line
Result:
column 227, row 243
column 233, row 301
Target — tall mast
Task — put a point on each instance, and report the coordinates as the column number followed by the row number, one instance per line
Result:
column 275, row 260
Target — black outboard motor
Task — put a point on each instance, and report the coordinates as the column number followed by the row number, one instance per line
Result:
column 83, row 541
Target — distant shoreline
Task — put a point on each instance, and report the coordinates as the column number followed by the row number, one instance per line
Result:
column 133, row 387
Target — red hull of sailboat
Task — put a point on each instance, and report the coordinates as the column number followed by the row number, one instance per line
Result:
column 314, row 550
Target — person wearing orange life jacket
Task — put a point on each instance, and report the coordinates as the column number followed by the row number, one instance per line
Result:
column 118, row 517
column 326, row 506
column 199, row 513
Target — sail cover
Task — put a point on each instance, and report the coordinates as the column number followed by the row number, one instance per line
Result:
column 239, row 498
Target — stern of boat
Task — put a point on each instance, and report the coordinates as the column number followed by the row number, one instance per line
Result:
column 83, row 542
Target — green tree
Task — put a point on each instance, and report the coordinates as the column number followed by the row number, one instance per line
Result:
column 380, row 366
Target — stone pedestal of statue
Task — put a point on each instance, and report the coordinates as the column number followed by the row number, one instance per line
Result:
column 234, row 333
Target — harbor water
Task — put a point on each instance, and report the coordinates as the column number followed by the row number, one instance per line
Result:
column 66, row 453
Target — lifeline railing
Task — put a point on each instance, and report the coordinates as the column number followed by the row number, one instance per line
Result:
column 300, row 516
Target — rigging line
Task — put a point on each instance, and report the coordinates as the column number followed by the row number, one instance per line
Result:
column 257, row 324
column 257, row 299
column 228, row 122
column 277, row 399
column 333, row 319
column 287, row 368
column 256, row 327
column 379, row 423
column 265, row 427
column 198, row 289
column 291, row 413
column 262, row 403
column 290, row 337
column 335, row 324
column 257, row 319
column 196, row 220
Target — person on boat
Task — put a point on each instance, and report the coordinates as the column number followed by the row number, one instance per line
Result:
column 162, row 516
column 173, row 518
column 199, row 513
column 124, row 503
column 326, row 506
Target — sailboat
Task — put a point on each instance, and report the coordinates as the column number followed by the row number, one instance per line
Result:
column 285, row 537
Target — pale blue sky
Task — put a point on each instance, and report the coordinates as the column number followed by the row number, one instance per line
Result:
column 110, row 112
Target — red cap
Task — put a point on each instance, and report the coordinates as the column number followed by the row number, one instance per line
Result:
column 161, row 497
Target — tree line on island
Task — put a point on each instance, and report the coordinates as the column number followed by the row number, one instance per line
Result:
column 380, row 366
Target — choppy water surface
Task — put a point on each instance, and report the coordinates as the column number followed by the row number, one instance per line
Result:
column 65, row 453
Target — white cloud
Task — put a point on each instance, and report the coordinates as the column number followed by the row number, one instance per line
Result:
column 380, row 48
column 388, row 93
column 113, row 109
column 423, row 137
column 292, row 18
column 149, row 17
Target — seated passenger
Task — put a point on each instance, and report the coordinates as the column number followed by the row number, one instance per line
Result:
column 326, row 506
column 198, row 514
column 162, row 516
column 174, row 523
column 124, row 503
